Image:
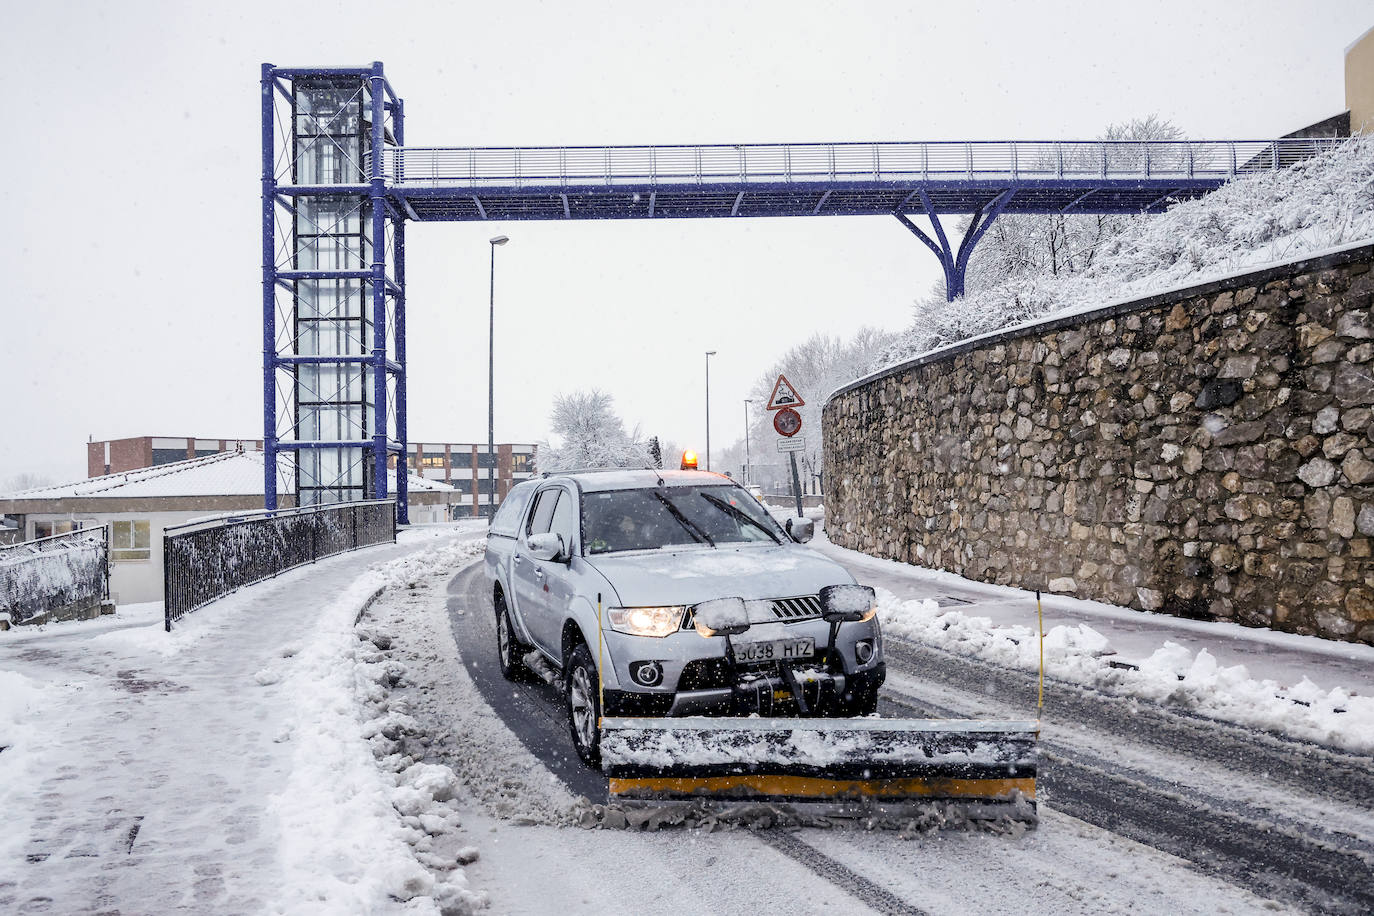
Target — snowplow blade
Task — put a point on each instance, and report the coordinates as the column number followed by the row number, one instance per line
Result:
column 861, row 767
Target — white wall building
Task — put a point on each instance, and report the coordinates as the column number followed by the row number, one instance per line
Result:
column 138, row 505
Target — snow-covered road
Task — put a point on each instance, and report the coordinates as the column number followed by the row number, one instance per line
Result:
column 1066, row 865
column 219, row 768
column 272, row 756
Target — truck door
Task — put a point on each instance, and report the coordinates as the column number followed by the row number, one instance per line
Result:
column 528, row 575
column 558, row 579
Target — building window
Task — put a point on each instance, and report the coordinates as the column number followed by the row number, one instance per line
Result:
column 131, row 540
column 432, row 461
column 520, row 462
column 48, row 529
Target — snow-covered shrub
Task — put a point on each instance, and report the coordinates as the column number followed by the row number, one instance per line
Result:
column 39, row 577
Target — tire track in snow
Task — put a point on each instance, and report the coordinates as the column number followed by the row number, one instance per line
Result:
column 1307, row 768
column 869, row 893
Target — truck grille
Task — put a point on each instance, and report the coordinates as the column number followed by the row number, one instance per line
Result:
column 803, row 608
column 788, row 610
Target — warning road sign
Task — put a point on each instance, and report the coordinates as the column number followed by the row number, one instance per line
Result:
column 787, row 422
column 784, row 395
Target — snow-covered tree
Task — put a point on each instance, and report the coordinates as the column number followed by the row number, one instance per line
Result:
column 815, row 367
column 25, row 481
column 591, row 435
column 1320, row 202
column 1018, row 247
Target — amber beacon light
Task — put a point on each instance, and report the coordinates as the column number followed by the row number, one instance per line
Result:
column 689, row 460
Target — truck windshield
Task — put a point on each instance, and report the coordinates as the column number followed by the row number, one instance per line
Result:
column 649, row 519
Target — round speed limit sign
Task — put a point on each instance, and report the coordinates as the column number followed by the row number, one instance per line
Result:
column 787, row 422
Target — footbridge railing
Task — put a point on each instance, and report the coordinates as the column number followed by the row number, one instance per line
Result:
column 203, row 561
column 983, row 160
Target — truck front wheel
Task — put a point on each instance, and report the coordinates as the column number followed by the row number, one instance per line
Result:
column 583, row 694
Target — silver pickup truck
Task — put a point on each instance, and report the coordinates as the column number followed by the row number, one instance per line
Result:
column 602, row 573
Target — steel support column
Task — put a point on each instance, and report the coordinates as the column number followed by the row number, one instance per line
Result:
column 269, row 295
column 378, row 290
column 955, row 264
column 398, row 120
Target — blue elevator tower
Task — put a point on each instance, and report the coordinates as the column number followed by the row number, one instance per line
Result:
column 333, row 296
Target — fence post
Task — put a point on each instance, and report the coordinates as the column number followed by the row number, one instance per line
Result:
column 166, row 583
column 105, row 550
column 315, row 538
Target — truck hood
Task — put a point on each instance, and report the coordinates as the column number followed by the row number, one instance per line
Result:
column 664, row 577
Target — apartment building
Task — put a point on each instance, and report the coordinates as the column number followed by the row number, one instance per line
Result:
column 470, row 467
column 115, row 456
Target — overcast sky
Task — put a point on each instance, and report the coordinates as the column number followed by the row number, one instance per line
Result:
column 130, row 245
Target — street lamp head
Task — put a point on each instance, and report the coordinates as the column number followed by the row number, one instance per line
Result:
column 500, row 240
column 710, row 352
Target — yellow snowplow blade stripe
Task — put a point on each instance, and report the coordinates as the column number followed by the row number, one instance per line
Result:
column 746, row 785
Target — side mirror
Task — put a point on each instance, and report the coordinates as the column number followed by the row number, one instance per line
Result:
column 847, row 603
column 721, row 617
column 800, row 530
column 548, row 546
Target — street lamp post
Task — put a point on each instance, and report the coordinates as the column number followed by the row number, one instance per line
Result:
column 709, row 354
column 747, row 402
column 491, row 377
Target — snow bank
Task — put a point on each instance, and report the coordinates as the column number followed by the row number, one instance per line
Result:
column 351, row 841
column 1324, row 203
column 1172, row 675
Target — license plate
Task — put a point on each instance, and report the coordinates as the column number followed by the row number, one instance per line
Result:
column 775, row 650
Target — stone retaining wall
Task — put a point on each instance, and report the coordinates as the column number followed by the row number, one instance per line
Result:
column 1207, row 453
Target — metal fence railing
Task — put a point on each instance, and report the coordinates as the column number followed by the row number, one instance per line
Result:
column 207, row 560
column 1012, row 160
column 49, row 575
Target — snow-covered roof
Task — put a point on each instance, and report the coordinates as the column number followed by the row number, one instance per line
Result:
column 222, row 474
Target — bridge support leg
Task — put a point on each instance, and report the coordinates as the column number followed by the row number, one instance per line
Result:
column 955, row 264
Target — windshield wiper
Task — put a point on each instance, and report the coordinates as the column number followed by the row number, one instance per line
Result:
column 738, row 513
column 682, row 520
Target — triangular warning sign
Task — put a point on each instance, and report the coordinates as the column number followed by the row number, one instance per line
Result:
column 784, row 395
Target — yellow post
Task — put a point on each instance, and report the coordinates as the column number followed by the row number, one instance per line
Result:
column 600, row 688
column 1040, row 618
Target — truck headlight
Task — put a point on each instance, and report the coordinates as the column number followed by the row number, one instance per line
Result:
column 646, row 621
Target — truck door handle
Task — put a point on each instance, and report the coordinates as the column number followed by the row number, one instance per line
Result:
column 538, row 573
column 517, row 559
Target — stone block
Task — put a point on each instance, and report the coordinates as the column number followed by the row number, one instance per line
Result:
column 1241, row 367
column 1326, row 352
column 1317, row 473
column 1357, row 468
column 1364, row 521
column 1354, row 325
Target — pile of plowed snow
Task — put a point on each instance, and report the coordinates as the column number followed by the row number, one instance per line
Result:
column 1172, row 675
